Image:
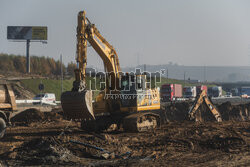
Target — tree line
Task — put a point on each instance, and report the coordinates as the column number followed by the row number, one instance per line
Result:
column 45, row 66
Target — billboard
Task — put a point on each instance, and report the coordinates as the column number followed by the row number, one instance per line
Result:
column 27, row 32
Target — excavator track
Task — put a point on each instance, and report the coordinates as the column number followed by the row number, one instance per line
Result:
column 141, row 122
column 100, row 123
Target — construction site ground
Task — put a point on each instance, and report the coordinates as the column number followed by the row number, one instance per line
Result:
column 45, row 138
column 174, row 144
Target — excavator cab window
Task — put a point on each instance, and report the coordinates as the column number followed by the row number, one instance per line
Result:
column 125, row 85
column 128, row 83
column 140, row 82
column 128, row 91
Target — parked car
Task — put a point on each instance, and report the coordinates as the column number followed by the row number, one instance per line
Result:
column 228, row 94
column 45, row 98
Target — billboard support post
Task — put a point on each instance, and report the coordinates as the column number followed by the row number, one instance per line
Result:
column 28, row 56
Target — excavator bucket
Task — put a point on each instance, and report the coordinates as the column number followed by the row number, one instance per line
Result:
column 77, row 105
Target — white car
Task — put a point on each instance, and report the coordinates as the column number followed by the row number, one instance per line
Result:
column 46, row 98
column 228, row 94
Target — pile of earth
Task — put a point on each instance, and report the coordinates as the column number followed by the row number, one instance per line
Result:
column 34, row 115
column 204, row 137
column 20, row 92
column 179, row 112
column 231, row 112
column 41, row 151
column 193, row 143
column 175, row 144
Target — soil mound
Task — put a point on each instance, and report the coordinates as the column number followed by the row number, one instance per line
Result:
column 231, row 112
column 52, row 116
column 178, row 111
column 28, row 116
column 43, row 151
column 33, row 115
column 20, row 92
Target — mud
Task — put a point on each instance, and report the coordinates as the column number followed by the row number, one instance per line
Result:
column 234, row 112
column 45, row 140
column 45, row 150
column 179, row 112
column 31, row 115
column 174, row 144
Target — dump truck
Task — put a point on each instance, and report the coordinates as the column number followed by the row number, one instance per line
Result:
column 189, row 91
column 7, row 105
column 200, row 88
column 215, row 91
column 245, row 90
column 170, row 92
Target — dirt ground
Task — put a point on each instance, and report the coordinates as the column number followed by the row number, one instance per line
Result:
column 48, row 139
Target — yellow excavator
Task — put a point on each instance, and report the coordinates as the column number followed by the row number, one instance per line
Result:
column 126, row 100
column 202, row 98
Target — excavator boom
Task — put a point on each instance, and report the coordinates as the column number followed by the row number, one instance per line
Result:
column 77, row 104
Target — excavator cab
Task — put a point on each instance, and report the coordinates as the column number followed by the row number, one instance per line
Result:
column 137, row 96
column 131, row 85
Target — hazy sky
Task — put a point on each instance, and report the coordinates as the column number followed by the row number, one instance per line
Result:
column 187, row 32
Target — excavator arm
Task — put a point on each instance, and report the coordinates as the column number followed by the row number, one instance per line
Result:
column 88, row 32
column 77, row 104
column 202, row 98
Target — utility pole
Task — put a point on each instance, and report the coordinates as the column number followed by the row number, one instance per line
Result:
column 27, row 56
column 204, row 73
column 184, row 78
column 61, row 73
column 167, row 74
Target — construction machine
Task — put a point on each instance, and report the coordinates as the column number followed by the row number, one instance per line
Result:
column 126, row 99
column 7, row 105
column 202, row 98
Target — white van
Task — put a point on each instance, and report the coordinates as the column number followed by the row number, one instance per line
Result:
column 46, row 98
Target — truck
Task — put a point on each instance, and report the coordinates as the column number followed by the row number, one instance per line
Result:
column 7, row 105
column 189, row 91
column 200, row 88
column 215, row 91
column 245, row 91
column 170, row 92
column 235, row 92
